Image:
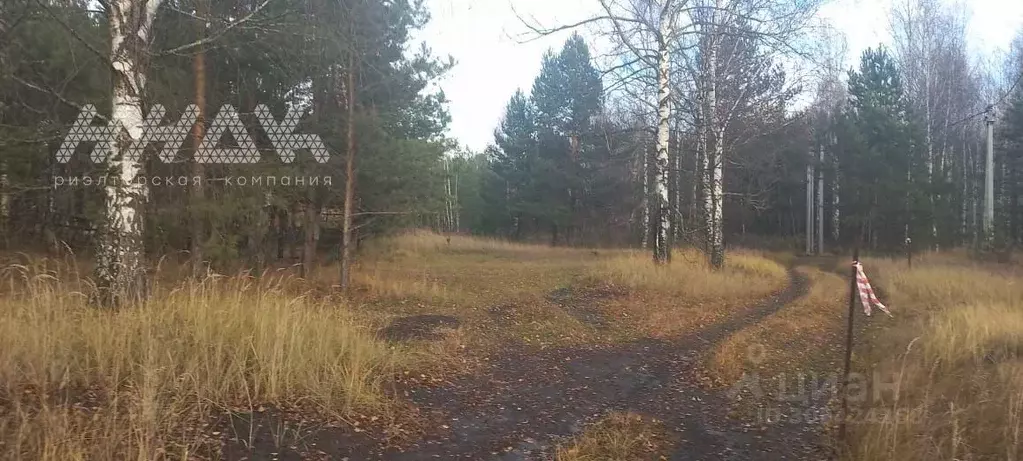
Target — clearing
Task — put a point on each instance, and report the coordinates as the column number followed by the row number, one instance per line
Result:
column 470, row 349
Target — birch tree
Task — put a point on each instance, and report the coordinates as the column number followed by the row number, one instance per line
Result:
column 930, row 41
column 644, row 31
column 120, row 261
column 737, row 88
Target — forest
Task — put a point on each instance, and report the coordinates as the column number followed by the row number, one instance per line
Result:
column 695, row 131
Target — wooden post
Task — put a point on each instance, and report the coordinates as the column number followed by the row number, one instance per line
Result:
column 848, row 345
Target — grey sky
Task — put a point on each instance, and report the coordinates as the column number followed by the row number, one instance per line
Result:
column 483, row 36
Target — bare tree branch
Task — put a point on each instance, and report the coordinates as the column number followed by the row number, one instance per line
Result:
column 215, row 35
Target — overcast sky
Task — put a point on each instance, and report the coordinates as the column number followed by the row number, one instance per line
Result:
column 483, row 36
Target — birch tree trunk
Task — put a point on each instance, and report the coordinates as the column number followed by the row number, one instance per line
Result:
column 662, row 254
column 120, row 265
column 714, row 159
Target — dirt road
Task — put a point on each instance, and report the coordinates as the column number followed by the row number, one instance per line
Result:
column 525, row 401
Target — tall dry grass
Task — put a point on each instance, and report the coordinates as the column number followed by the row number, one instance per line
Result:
column 478, row 279
column 950, row 370
column 498, row 290
column 780, row 342
column 747, row 274
column 426, row 243
column 78, row 382
column 672, row 299
column 618, row 436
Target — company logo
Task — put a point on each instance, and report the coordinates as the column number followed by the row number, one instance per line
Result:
column 282, row 137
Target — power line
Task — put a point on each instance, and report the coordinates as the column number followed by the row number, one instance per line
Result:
column 991, row 106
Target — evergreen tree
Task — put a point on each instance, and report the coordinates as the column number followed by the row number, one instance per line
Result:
column 879, row 155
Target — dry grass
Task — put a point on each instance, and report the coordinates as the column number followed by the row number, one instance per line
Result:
column 83, row 383
column 951, row 369
column 422, row 242
column 466, row 270
column 747, row 274
column 498, row 290
column 779, row 343
column 618, row 437
column 488, row 283
column 686, row 294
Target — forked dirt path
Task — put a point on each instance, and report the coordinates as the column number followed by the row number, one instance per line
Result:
column 527, row 400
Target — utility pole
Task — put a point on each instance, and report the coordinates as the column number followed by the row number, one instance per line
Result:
column 457, row 207
column 449, row 208
column 836, row 218
column 820, row 201
column 5, row 205
column 989, row 178
column 809, row 208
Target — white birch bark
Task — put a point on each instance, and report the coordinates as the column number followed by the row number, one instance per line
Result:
column 120, row 269
column 714, row 159
column 661, row 219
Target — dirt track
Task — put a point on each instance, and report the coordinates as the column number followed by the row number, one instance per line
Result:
column 525, row 401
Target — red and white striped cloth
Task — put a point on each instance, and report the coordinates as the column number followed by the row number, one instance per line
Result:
column 867, row 296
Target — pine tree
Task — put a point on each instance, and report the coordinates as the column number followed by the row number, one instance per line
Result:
column 880, row 155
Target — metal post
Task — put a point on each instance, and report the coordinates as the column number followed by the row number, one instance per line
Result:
column 5, row 203
column 848, row 345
